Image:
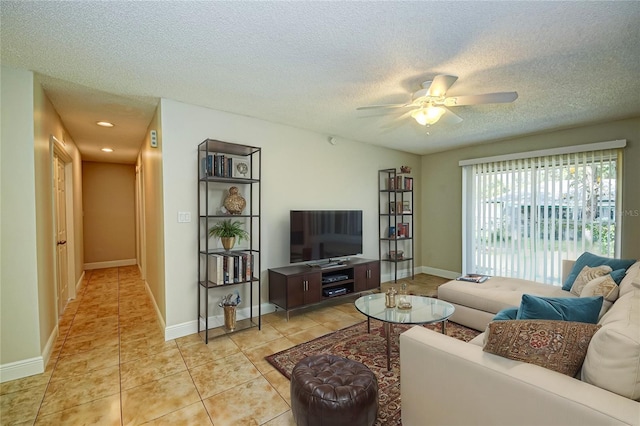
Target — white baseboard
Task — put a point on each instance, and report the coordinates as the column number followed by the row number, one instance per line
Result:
column 155, row 306
column 79, row 282
column 406, row 273
column 109, row 264
column 191, row 327
column 31, row 366
column 22, row 368
column 440, row 272
column 48, row 348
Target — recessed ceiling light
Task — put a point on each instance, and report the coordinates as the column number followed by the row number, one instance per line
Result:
column 107, row 149
column 104, row 124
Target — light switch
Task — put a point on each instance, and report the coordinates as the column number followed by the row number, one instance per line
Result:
column 184, row 217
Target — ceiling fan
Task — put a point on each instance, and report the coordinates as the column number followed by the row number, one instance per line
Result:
column 430, row 104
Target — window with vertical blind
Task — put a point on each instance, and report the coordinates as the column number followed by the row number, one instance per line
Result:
column 523, row 214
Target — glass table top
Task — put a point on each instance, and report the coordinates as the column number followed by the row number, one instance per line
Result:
column 424, row 310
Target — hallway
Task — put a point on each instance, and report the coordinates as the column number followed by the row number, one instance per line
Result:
column 111, row 365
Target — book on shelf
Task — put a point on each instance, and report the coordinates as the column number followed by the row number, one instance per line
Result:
column 399, row 182
column 403, row 182
column 391, row 184
column 230, row 267
column 247, row 265
column 408, row 183
column 216, row 269
column 206, row 165
column 406, row 207
column 473, row 278
column 392, row 232
column 402, row 230
column 217, row 165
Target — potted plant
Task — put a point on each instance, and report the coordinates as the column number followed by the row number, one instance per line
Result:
column 228, row 230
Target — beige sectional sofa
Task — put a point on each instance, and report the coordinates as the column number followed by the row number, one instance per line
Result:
column 445, row 381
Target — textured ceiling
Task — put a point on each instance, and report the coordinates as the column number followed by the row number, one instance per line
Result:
column 311, row 64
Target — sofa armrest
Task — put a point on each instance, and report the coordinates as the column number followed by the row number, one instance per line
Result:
column 445, row 381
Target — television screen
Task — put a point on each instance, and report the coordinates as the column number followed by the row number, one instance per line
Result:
column 324, row 234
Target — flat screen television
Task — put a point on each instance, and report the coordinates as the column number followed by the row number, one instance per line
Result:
column 317, row 235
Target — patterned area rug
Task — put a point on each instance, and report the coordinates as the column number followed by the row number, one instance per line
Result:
column 370, row 349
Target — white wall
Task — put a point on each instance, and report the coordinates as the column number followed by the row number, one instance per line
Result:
column 300, row 170
column 20, row 330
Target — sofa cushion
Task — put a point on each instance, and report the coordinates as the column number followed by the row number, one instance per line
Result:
column 581, row 309
column 590, row 259
column 587, row 274
column 631, row 279
column 557, row 345
column 613, row 357
column 496, row 293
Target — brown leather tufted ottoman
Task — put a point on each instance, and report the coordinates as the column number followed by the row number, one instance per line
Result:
column 329, row 390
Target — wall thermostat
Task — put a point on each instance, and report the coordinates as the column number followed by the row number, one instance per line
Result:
column 154, row 139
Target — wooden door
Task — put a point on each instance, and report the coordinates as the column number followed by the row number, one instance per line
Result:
column 62, row 276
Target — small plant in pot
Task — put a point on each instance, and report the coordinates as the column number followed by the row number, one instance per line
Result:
column 228, row 230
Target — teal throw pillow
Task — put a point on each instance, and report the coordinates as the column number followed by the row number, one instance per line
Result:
column 506, row 314
column 618, row 275
column 590, row 259
column 579, row 309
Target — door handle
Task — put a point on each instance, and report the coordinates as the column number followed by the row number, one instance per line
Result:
column 62, row 242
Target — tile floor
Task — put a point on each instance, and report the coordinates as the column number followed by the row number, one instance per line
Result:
column 112, row 366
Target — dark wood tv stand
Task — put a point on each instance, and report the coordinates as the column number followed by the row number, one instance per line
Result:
column 297, row 286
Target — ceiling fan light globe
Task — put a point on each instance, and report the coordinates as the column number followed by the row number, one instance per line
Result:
column 420, row 116
column 434, row 113
column 429, row 115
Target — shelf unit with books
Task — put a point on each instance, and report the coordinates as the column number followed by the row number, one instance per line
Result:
column 396, row 225
column 223, row 166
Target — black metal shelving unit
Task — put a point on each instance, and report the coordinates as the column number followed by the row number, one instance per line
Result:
column 395, row 195
column 213, row 182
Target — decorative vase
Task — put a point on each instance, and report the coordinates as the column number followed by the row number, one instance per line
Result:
column 404, row 302
column 230, row 317
column 228, row 242
column 390, row 298
column 234, row 203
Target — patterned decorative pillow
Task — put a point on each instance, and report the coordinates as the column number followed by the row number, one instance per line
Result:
column 557, row 345
column 587, row 274
column 604, row 286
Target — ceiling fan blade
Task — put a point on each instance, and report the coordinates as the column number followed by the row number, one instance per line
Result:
column 388, row 106
column 488, row 98
column 449, row 117
column 440, row 84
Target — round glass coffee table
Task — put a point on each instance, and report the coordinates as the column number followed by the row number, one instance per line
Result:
column 424, row 310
